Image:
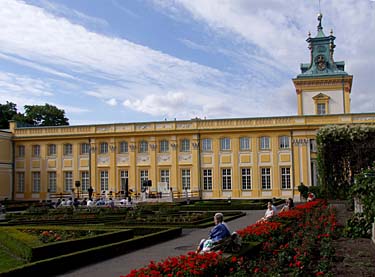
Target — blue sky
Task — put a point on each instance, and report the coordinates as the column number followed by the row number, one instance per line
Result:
column 109, row 61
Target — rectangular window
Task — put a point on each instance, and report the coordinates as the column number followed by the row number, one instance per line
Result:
column 207, row 179
column 266, row 178
column 244, row 144
column 103, row 180
column 144, row 177
column 143, row 147
column 207, row 145
column 185, row 145
column 21, row 151
column 36, row 150
column 52, row 186
column 68, row 181
column 163, row 146
column 124, row 147
column 68, row 149
column 36, row 181
column 51, row 150
column 246, row 178
column 164, row 176
column 185, row 179
column 226, row 179
column 284, row 142
column 103, row 148
column 124, row 179
column 224, row 144
column 20, row 181
column 285, row 178
column 265, row 143
column 321, row 108
column 85, row 149
column 85, row 180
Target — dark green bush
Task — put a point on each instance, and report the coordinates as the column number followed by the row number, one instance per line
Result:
column 358, row 227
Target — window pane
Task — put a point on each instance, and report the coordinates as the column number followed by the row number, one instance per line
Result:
column 164, row 146
column 68, row 181
column 264, row 143
column 266, row 178
column 36, row 150
column 246, row 178
column 85, row 148
column 226, row 179
column 124, row 179
column 185, row 173
column 225, row 144
column 143, row 147
column 68, row 149
column 185, row 145
column 21, row 151
column 321, row 108
column 284, row 142
column 103, row 180
column 244, row 143
column 85, row 180
column 207, row 179
column 103, row 148
column 144, row 177
column 51, row 149
column 285, row 178
column 52, row 181
column 20, row 181
column 123, row 147
column 207, row 145
column 36, row 181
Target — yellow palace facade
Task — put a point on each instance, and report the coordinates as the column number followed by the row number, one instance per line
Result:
column 239, row 158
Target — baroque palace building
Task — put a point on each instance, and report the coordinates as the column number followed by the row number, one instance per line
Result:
column 243, row 158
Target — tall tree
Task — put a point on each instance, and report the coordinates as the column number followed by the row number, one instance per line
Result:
column 7, row 112
column 47, row 115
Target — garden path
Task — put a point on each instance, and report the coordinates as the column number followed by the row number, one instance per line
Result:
column 188, row 241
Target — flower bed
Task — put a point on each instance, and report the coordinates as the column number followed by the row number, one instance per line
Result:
column 295, row 243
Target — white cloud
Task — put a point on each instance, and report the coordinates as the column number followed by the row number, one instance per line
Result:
column 111, row 102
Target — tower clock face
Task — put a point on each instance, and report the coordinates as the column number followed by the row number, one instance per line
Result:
column 320, row 62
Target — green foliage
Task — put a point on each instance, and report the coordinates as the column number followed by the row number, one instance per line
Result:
column 364, row 189
column 358, row 227
column 37, row 115
column 303, row 190
column 342, row 152
column 7, row 112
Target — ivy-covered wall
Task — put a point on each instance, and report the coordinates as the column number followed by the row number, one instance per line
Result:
column 343, row 151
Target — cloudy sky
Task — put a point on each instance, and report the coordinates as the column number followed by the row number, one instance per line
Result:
column 109, row 61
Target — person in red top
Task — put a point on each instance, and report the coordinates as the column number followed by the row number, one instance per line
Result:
column 310, row 197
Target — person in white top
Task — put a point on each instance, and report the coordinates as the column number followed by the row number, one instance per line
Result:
column 268, row 214
column 90, row 203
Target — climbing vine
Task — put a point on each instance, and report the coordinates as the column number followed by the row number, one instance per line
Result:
column 343, row 151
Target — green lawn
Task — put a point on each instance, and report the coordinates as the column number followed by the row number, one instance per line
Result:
column 7, row 261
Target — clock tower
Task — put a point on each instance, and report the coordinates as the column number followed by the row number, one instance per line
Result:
column 323, row 87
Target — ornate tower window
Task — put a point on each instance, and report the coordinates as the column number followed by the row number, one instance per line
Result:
column 321, row 103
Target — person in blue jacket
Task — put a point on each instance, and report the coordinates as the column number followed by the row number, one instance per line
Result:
column 219, row 232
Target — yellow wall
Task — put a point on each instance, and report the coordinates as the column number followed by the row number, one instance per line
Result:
column 6, row 154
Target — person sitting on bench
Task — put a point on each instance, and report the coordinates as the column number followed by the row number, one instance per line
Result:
column 218, row 233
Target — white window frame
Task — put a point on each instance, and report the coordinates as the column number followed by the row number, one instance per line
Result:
column 266, row 178
column 207, row 145
column 284, row 142
column 35, row 176
column 143, row 146
column 246, row 178
column 265, row 143
column 68, row 149
column 52, row 181
column 124, row 147
column 104, row 180
column 36, row 150
column 51, row 149
column 244, row 143
column 143, row 176
column 164, row 146
column 103, row 148
column 185, row 178
column 226, row 178
column 285, row 178
column 207, row 178
column 321, row 108
column 124, row 177
column 68, row 180
column 85, row 180
column 85, row 148
column 20, row 181
column 185, row 145
column 165, row 176
column 225, row 144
